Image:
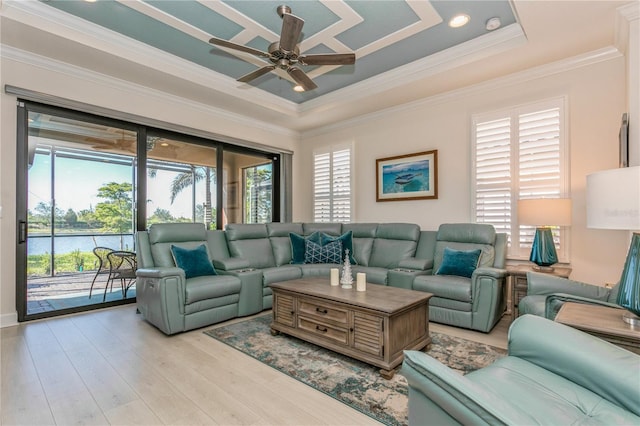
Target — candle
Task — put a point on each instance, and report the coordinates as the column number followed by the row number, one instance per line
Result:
column 361, row 281
column 334, row 276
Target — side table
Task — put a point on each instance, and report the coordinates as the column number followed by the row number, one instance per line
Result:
column 517, row 288
column 601, row 321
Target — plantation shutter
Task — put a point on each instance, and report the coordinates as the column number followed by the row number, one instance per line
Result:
column 519, row 154
column 493, row 174
column 332, row 185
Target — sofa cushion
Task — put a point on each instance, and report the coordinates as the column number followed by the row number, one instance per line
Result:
column 280, row 273
column 211, row 286
column 374, row 275
column 280, row 241
column 394, row 242
column 534, row 304
column 251, row 242
column 459, row 262
column 445, row 286
column 345, row 239
column 363, row 236
column 298, row 245
column 326, row 227
column 318, row 269
column 195, row 262
column 328, row 253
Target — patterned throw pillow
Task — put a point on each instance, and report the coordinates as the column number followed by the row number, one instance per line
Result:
column 328, row 253
column 347, row 243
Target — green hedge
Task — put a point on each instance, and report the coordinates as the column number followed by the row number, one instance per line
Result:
column 76, row 261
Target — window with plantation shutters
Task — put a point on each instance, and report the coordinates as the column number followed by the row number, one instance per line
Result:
column 520, row 153
column 332, row 184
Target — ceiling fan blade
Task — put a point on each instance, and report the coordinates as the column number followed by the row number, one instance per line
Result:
column 301, row 78
column 257, row 73
column 291, row 30
column 235, row 46
column 328, row 59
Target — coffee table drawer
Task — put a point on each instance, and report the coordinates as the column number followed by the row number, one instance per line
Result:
column 337, row 335
column 323, row 312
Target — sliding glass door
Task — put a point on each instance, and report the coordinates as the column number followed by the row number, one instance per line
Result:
column 80, row 182
column 87, row 183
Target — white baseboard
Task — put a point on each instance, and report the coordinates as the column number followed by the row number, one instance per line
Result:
column 8, row 320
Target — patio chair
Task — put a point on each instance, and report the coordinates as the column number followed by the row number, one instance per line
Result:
column 122, row 267
column 103, row 265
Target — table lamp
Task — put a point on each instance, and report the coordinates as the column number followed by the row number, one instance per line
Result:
column 544, row 213
column 613, row 202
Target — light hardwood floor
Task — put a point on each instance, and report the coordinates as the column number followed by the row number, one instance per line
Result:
column 111, row 367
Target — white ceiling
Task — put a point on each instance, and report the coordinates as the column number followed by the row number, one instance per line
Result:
column 546, row 31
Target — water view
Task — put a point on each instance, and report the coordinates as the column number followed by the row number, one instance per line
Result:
column 84, row 243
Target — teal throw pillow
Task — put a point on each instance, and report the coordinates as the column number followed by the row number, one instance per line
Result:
column 328, row 253
column 459, row 262
column 194, row 262
column 298, row 246
column 347, row 244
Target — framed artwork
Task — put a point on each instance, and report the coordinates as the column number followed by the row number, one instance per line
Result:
column 407, row 177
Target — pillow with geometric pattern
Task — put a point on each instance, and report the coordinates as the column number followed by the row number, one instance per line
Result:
column 328, row 253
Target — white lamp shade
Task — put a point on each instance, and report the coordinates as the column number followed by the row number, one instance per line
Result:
column 613, row 199
column 545, row 212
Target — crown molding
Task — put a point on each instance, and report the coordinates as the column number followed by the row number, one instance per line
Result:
column 51, row 20
column 568, row 64
column 484, row 46
column 624, row 15
column 51, row 65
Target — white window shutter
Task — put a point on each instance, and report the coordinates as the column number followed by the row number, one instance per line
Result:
column 519, row 154
column 332, row 185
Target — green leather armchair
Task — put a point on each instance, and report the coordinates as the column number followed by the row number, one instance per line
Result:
column 553, row 375
column 546, row 294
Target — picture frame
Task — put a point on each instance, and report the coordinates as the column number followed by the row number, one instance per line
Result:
column 407, row 177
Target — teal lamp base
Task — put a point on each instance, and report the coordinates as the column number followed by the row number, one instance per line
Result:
column 629, row 289
column 543, row 250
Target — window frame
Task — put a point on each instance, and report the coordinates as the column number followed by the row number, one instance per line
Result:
column 517, row 249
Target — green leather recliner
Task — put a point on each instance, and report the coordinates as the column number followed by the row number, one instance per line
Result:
column 547, row 293
column 477, row 302
column 553, row 375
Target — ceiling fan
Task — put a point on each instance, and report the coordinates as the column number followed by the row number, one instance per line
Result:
column 285, row 53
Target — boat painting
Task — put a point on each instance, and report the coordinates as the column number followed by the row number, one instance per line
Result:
column 407, row 177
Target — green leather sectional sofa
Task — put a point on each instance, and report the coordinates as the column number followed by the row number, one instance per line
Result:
column 249, row 257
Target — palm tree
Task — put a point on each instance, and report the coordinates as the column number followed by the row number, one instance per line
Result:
column 187, row 179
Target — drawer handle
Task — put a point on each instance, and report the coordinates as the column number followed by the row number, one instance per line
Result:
column 321, row 329
column 322, row 311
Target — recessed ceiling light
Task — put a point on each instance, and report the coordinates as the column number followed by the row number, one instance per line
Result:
column 298, row 88
column 493, row 24
column 164, row 144
column 459, row 20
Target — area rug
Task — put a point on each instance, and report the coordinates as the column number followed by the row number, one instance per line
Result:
column 352, row 382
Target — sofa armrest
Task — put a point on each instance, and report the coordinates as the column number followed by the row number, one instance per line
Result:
column 160, row 272
column 594, row 364
column 545, row 284
column 497, row 273
column 416, row 264
column 445, row 390
column 231, row 263
column 554, row 302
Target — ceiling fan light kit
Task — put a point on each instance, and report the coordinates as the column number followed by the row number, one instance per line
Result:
column 285, row 53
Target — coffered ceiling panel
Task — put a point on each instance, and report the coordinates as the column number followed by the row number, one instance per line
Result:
column 386, row 36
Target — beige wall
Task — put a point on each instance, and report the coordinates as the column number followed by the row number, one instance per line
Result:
column 596, row 99
column 95, row 89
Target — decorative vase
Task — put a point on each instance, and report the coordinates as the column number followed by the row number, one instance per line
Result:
column 629, row 289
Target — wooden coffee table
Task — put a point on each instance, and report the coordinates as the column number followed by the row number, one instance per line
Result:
column 373, row 326
column 601, row 321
